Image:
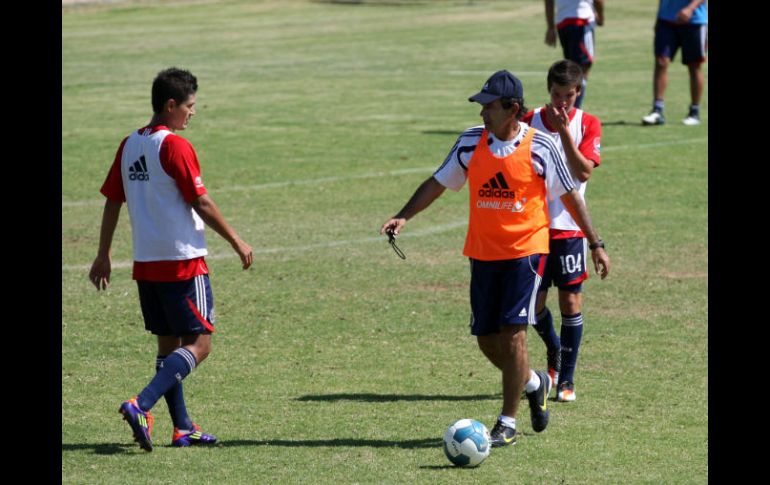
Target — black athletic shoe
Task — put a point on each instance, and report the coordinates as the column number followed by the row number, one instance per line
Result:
column 538, row 402
column 502, row 435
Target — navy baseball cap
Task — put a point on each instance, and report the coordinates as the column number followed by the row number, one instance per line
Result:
column 501, row 84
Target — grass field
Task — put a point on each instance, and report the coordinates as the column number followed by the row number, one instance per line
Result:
column 335, row 361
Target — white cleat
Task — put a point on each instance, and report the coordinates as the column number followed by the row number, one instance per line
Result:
column 654, row 118
column 566, row 392
column 691, row 121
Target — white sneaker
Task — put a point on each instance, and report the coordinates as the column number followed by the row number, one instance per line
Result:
column 566, row 392
column 691, row 120
column 654, row 118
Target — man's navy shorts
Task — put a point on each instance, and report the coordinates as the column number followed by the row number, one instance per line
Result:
column 178, row 307
column 567, row 264
column 692, row 38
column 577, row 43
column 504, row 292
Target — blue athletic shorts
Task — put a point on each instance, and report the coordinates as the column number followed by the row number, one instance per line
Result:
column 692, row 38
column 504, row 292
column 178, row 307
column 567, row 264
column 577, row 43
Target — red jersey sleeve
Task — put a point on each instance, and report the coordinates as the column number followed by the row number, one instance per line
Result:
column 112, row 188
column 178, row 159
column 590, row 146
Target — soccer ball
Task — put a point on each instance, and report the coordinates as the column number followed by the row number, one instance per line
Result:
column 466, row 443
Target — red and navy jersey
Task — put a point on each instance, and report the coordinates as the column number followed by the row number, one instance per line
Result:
column 574, row 12
column 179, row 160
column 590, row 133
column 585, row 131
column 179, row 163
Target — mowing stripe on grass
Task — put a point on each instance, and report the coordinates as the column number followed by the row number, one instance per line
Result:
column 273, row 185
column 655, row 145
column 293, row 249
column 405, row 171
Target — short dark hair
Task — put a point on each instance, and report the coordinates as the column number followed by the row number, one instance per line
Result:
column 172, row 83
column 507, row 103
column 565, row 73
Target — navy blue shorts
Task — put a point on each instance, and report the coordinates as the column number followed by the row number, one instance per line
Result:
column 567, row 264
column 178, row 307
column 504, row 292
column 577, row 43
column 692, row 38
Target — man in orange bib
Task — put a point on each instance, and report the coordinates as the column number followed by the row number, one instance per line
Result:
column 512, row 171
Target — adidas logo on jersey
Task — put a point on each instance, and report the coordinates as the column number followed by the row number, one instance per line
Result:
column 138, row 171
column 497, row 187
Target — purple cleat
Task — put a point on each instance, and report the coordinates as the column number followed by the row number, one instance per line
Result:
column 194, row 437
column 140, row 421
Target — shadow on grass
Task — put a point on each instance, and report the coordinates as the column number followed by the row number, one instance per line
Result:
column 604, row 123
column 393, row 3
column 636, row 124
column 370, row 397
column 629, row 124
column 116, row 448
column 441, row 132
column 337, row 442
column 101, row 448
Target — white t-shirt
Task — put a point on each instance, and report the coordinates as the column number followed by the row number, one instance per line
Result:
column 547, row 160
column 574, row 9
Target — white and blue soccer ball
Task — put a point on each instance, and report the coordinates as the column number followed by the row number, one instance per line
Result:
column 466, row 443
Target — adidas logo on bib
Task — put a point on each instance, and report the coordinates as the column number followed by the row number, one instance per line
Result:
column 138, row 171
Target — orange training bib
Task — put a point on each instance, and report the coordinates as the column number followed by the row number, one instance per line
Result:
column 508, row 213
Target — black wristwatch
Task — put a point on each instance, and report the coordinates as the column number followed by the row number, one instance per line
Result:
column 596, row 245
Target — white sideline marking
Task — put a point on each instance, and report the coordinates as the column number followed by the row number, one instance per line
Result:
column 273, row 185
column 229, row 255
column 340, row 178
column 458, row 72
column 405, row 171
column 654, row 145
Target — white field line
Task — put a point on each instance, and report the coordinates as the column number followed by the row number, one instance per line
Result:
column 424, row 232
column 321, row 180
column 459, row 72
column 309, row 247
column 274, row 185
column 655, row 145
column 340, row 178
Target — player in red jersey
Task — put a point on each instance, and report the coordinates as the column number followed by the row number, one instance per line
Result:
column 574, row 21
column 157, row 173
column 577, row 134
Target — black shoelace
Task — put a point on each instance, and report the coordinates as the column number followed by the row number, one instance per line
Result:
column 392, row 241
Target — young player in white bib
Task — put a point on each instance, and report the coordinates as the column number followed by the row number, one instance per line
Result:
column 575, row 22
column 577, row 135
column 157, row 174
